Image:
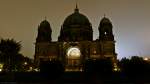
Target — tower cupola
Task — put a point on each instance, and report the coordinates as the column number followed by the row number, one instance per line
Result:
column 105, row 29
column 44, row 32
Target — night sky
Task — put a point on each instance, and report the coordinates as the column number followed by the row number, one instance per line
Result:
column 19, row 19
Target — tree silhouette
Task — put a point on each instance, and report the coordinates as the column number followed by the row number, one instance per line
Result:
column 9, row 46
column 135, row 68
column 9, row 54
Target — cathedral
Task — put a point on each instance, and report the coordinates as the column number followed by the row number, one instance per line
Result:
column 75, row 42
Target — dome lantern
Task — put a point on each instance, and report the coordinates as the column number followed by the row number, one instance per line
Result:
column 76, row 9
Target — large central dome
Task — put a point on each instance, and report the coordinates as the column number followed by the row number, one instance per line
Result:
column 76, row 18
column 76, row 27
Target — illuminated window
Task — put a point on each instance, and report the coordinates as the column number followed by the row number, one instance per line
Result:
column 73, row 52
column 94, row 51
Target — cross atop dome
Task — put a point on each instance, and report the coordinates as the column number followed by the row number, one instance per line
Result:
column 104, row 15
column 45, row 18
column 76, row 9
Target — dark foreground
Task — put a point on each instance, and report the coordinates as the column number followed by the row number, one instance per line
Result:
column 66, row 78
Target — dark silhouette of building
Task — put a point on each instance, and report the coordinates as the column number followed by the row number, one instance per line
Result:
column 75, row 43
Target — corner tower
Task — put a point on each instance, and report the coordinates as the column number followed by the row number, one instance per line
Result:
column 43, row 39
column 106, row 38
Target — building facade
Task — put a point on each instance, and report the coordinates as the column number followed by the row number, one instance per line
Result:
column 75, row 43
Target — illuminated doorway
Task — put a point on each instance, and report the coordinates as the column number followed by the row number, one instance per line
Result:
column 73, row 60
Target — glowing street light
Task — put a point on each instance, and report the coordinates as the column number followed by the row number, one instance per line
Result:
column 146, row 59
column 116, row 68
column 25, row 63
column 1, row 67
